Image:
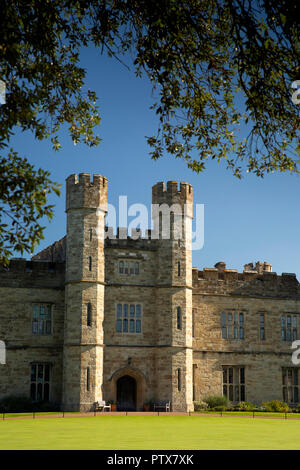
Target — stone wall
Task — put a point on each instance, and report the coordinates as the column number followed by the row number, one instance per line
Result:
column 263, row 359
column 22, row 346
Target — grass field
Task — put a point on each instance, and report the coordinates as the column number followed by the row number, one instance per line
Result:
column 150, row 432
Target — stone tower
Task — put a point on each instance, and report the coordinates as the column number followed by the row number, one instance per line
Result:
column 174, row 358
column 86, row 206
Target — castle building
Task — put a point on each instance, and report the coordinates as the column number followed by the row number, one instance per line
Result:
column 128, row 319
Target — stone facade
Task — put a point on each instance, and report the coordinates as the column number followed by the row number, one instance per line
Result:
column 128, row 319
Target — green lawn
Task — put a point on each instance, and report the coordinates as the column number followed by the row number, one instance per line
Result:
column 150, row 432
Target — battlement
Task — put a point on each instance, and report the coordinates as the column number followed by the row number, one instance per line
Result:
column 134, row 240
column 172, row 195
column 26, row 273
column 261, row 283
column 81, row 192
column 85, row 179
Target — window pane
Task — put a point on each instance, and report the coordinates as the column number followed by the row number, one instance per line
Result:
column 225, row 390
column 224, row 376
column 138, row 311
column 241, row 332
column 125, row 326
column 33, row 373
column 294, row 321
column 229, row 319
column 262, row 319
column 36, row 311
column 283, row 334
column 295, row 376
column 32, row 391
column 137, row 268
column 40, row 372
column 119, row 311
column 289, row 334
column 138, row 326
column 178, row 318
column 284, row 377
column 39, row 395
column 35, row 327
column 283, row 321
column 131, row 326
column 119, row 326
column 235, row 317
column 224, row 332
column 235, row 331
column 179, row 380
column 41, row 328
column 294, row 334
column 47, row 373
column 125, row 310
column 121, row 267
column 241, row 318
column 230, row 332
column 242, row 393
column 230, row 375
column 131, row 268
column 242, row 375
column 231, row 392
column 49, row 312
column 132, row 310
column 262, row 333
column 48, row 327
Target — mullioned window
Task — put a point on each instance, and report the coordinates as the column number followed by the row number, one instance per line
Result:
column 129, row 318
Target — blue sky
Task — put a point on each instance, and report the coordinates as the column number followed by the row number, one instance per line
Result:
column 246, row 220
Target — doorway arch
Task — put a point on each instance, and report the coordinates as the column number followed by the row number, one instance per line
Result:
column 142, row 384
column 126, row 393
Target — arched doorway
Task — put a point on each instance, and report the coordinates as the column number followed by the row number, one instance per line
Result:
column 126, row 393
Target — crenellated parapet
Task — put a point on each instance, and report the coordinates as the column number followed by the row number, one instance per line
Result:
column 258, row 283
column 135, row 240
column 37, row 274
column 81, row 192
column 172, row 195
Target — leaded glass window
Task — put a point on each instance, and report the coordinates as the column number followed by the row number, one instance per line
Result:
column 288, row 327
column 40, row 382
column 234, row 383
column 232, row 325
column 290, row 385
column 129, row 318
column 42, row 319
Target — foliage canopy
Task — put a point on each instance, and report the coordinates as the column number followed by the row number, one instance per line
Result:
column 220, row 69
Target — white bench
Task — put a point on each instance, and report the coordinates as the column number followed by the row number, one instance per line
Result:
column 166, row 405
column 102, row 406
